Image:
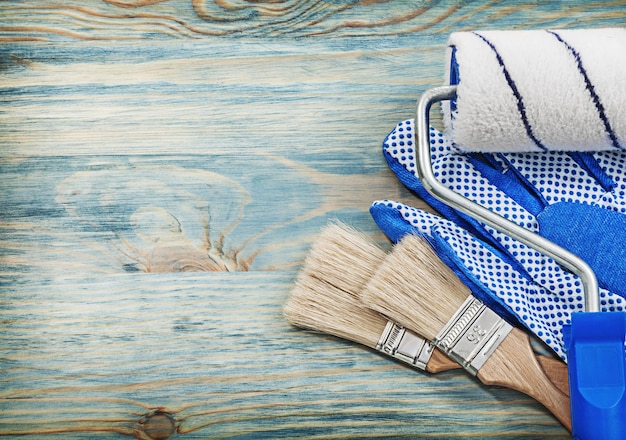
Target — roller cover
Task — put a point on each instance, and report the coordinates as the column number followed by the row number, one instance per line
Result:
column 534, row 90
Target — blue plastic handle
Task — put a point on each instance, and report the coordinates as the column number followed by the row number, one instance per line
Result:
column 597, row 375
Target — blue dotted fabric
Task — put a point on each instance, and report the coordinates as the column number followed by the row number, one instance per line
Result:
column 558, row 177
column 517, row 186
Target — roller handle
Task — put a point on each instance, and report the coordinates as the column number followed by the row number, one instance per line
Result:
column 514, row 365
column 597, row 374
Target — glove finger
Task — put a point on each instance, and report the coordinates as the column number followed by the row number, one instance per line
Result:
column 399, row 150
column 556, row 177
column 397, row 219
column 458, row 171
column 461, row 175
column 613, row 164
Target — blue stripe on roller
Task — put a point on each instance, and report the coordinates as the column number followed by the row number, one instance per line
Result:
column 454, row 78
column 592, row 91
column 520, row 102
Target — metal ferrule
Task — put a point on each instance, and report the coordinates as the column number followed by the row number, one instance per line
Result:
column 472, row 334
column 404, row 345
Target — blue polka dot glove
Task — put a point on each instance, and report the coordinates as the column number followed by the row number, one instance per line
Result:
column 576, row 200
column 493, row 275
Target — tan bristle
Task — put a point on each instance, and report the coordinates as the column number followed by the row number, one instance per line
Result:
column 317, row 305
column 343, row 257
column 325, row 297
column 415, row 288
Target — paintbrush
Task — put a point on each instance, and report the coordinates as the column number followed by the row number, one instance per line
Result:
column 414, row 288
column 325, row 299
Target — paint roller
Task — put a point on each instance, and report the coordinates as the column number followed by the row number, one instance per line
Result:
column 541, row 91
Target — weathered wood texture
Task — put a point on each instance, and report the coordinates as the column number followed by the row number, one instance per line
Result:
column 204, row 19
column 89, row 356
column 214, row 137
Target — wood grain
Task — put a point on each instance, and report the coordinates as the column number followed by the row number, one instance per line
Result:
column 206, row 19
column 190, row 167
column 555, row 370
column 94, row 355
column 164, row 166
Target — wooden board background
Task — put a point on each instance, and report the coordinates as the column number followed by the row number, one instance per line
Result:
column 164, row 166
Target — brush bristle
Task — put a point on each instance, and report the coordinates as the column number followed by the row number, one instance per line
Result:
column 343, row 257
column 325, row 297
column 415, row 288
column 316, row 305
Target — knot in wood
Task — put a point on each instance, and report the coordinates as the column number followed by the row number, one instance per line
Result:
column 158, row 425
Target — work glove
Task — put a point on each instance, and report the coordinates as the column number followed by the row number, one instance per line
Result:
column 576, row 200
column 493, row 275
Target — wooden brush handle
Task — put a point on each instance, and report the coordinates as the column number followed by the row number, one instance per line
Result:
column 514, row 365
column 555, row 369
column 439, row 362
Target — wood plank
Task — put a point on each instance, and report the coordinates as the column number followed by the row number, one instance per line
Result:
column 109, row 214
column 232, row 96
column 217, row 138
column 189, row 167
column 205, row 19
column 92, row 356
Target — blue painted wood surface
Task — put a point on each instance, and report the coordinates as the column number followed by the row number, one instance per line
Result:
column 164, row 166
